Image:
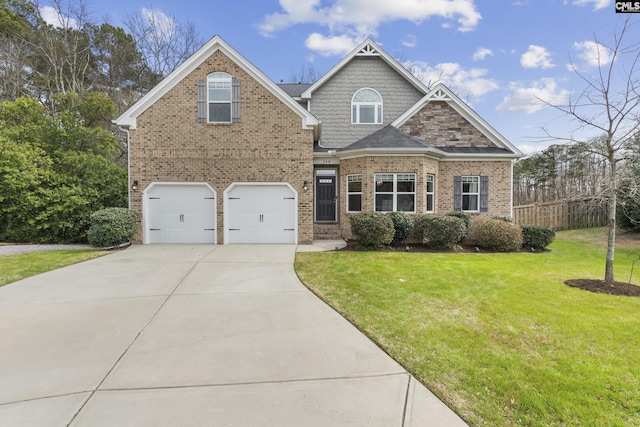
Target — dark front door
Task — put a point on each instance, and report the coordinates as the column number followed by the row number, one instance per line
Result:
column 325, row 198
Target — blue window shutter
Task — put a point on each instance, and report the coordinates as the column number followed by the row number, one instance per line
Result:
column 202, row 101
column 235, row 100
column 484, row 194
column 457, row 193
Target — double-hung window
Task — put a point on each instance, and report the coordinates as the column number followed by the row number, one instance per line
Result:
column 366, row 107
column 431, row 183
column 219, row 98
column 395, row 192
column 354, row 193
column 470, row 193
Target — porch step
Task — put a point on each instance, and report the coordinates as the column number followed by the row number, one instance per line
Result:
column 326, row 231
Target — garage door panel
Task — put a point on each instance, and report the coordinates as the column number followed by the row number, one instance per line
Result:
column 261, row 214
column 181, row 213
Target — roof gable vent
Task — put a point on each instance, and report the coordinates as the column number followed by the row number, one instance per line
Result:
column 440, row 95
column 368, row 50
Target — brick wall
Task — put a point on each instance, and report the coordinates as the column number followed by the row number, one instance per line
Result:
column 268, row 145
column 499, row 174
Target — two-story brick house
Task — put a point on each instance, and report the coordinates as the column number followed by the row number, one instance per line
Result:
column 218, row 153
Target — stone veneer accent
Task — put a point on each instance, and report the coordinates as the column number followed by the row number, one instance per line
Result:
column 441, row 126
column 268, row 145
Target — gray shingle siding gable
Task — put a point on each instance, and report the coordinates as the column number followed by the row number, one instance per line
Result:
column 331, row 103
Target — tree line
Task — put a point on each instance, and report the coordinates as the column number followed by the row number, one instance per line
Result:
column 61, row 84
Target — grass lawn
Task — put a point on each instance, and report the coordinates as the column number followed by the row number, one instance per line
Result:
column 499, row 337
column 20, row 266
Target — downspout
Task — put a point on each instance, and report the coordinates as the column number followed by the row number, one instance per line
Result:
column 126, row 130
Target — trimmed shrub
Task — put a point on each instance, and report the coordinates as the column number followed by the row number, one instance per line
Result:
column 537, row 237
column 466, row 217
column 495, row 234
column 112, row 227
column 403, row 226
column 372, row 229
column 503, row 218
column 440, row 231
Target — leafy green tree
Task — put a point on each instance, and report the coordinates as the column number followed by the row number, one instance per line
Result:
column 54, row 170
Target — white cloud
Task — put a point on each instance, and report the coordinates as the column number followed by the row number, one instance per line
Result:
column 52, row 17
column 481, row 54
column 410, row 41
column 162, row 23
column 536, row 57
column 594, row 54
column 534, row 98
column 597, row 4
column 530, row 149
column 360, row 19
column 329, row 46
column 465, row 82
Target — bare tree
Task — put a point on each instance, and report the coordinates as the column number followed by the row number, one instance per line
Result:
column 62, row 49
column 307, row 74
column 164, row 42
column 609, row 105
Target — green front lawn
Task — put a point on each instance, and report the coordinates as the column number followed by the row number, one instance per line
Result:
column 20, row 266
column 499, row 337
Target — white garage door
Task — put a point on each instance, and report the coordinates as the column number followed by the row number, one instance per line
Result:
column 260, row 213
column 180, row 213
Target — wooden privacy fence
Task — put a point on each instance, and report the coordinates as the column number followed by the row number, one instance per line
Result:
column 562, row 215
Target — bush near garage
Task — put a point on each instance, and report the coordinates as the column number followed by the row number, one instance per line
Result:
column 372, row 229
column 112, row 227
column 537, row 237
column 440, row 231
column 495, row 234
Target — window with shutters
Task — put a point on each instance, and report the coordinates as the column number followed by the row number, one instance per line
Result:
column 471, row 193
column 366, row 107
column 218, row 99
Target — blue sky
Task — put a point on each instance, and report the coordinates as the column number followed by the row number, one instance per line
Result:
column 494, row 54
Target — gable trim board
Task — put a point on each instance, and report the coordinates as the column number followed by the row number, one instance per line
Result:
column 367, row 48
column 128, row 118
column 442, row 93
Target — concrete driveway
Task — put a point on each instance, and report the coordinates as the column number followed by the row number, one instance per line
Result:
column 194, row 336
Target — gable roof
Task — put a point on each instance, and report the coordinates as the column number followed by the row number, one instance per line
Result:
column 367, row 48
column 442, row 93
column 129, row 117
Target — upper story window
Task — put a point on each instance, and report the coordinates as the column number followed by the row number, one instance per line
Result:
column 366, row 107
column 219, row 98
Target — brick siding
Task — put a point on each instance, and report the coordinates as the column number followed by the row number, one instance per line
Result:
column 268, row 145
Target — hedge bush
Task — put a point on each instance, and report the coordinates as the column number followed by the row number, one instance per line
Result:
column 495, row 234
column 372, row 229
column 403, row 226
column 112, row 227
column 537, row 237
column 466, row 217
column 440, row 231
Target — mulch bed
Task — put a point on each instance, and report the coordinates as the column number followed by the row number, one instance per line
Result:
column 600, row 286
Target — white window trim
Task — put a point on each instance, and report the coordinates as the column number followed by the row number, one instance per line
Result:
column 349, row 193
column 395, row 192
column 431, row 193
column 378, row 108
column 213, row 78
column 476, row 193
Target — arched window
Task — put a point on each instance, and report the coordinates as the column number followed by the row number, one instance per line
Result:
column 219, row 97
column 366, row 107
